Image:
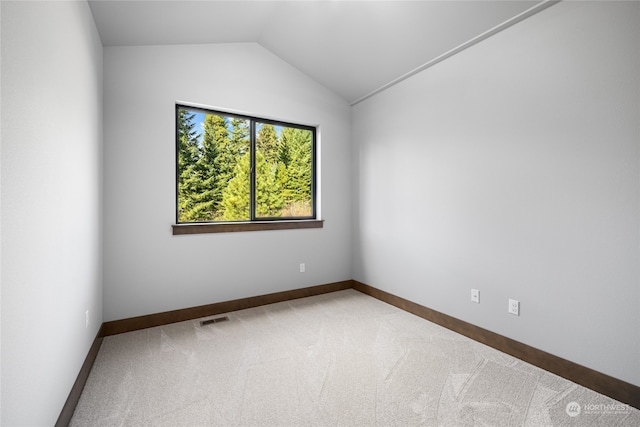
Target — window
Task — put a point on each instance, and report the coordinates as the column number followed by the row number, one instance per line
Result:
column 239, row 169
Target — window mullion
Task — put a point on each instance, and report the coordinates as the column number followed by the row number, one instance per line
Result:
column 252, row 170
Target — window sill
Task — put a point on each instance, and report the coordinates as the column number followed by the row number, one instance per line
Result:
column 228, row 227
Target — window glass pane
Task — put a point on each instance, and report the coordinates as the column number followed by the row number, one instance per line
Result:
column 235, row 166
column 213, row 167
column 221, row 176
column 284, row 157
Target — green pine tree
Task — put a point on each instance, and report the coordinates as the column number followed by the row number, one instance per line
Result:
column 215, row 137
column 232, row 151
column 188, row 155
column 267, row 143
column 295, row 171
column 269, row 198
column 235, row 196
column 214, row 170
column 301, row 166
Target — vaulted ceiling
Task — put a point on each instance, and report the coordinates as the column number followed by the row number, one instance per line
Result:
column 353, row 48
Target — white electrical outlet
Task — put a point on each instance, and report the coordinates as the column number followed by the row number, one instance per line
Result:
column 514, row 307
column 302, row 267
column 475, row 295
column 86, row 319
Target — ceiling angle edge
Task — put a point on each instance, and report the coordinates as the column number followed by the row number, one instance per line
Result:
column 477, row 39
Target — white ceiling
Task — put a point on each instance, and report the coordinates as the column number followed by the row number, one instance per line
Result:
column 351, row 47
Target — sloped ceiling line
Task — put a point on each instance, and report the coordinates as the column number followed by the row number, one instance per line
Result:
column 354, row 48
column 495, row 30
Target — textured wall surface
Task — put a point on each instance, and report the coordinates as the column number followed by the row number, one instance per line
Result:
column 51, row 204
column 147, row 269
column 513, row 168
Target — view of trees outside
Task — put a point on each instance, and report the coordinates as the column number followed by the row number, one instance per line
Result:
column 214, row 169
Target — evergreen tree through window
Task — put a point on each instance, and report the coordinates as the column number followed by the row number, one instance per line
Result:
column 233, row 168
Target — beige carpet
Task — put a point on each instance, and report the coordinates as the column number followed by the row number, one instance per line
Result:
column 340, row 359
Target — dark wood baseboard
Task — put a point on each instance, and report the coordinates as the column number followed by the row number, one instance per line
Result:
column 74, row 396
column 594, row 380
column 159, row 319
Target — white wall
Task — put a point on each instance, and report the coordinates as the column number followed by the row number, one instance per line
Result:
column 513, row 168
column 147, row 269
column 51, row 204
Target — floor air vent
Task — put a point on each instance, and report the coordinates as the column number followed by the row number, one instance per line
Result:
column 216, row 320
